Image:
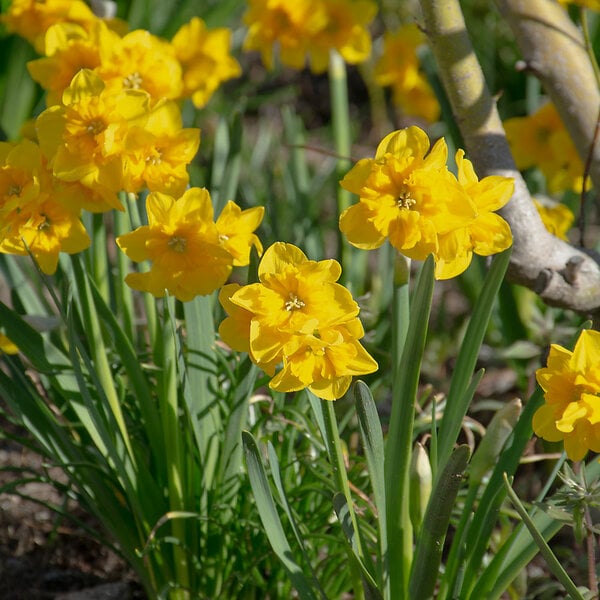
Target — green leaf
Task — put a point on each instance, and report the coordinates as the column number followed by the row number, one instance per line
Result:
column 372, row 437
column 270, row 517
column 27, row 339
column 398, row 449
column 459, row 396
column 430, row 544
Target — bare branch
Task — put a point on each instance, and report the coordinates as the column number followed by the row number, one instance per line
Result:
column 554, row 51
column 561, row 274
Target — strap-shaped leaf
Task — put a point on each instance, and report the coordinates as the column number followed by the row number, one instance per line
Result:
column 270, row 517
column 428, row 554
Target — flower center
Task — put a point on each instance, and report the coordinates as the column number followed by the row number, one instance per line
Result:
column 405, row 200
column 133, row 81
column 155, row 158
column 14, row 190
column 178, row 244
column 293, row 303
column 45, row 224
column 95, row 127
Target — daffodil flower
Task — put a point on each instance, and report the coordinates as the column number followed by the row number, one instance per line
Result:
column 204, row 58
column 571, row 384
column 182, row 243
column 310, row 29
column 398, row 67
column 298, row 316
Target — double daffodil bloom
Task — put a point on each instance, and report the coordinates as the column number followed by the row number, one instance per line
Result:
column 571, row 384
column 205, row 59
column 300, row 317
column 35, row 213
column 398, row 67
column 183, row 244
column 541, row 140
column 310, row 29
column 83, row 137
column 408, row 196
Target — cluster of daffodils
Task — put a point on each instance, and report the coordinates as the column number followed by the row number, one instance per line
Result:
column 310, row 28
column 571, row 384
column 192, row 65
column 299, row 317
column 541, row 140
column 112, row 125
column 399, row 68
column 408, row 196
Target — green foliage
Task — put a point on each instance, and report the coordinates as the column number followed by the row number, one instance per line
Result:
column 211, row 485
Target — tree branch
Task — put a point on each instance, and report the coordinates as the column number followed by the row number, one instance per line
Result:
column 554, row 51
column 561, row 274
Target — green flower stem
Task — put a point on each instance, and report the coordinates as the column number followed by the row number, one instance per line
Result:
column 340, row 119
column 173, row 442
column 135, row 218
column 123, row 295
column 398, row 451
column 336, row 457
column 353, row 263
column 100, row 266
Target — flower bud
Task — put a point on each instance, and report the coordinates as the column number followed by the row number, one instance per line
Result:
column 419, row 486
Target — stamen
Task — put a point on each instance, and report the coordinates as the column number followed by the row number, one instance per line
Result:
column 45, row 224
column 405, row 200
column 14, row 190
column 293, row 303
column 133, row 81
column 95, row 127
column 155, row 158
column 178, row 244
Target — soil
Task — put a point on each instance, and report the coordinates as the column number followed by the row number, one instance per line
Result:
column 44, row 556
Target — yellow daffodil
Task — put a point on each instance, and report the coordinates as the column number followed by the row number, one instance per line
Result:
column 325, row 363
column 205, row 60
column 33, row 215
column 406, row 195
column 236, row 231
column 557, row 218
column 139, row 61
column 571, row 384
column 235, row 328
column 346, row 31
column 21, row 171
column 157, row 152
column 309, row 28
column 6, row 346
column 487, row 234
column 45, row 229
column 69, row 48
column 541, row 140
column 83, row 137
column 399, row 68
column 182, row 242
column 31, row 18
column 300, row 316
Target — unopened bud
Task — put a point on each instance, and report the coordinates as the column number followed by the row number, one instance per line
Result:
column 419, row 486
column 492, row 443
